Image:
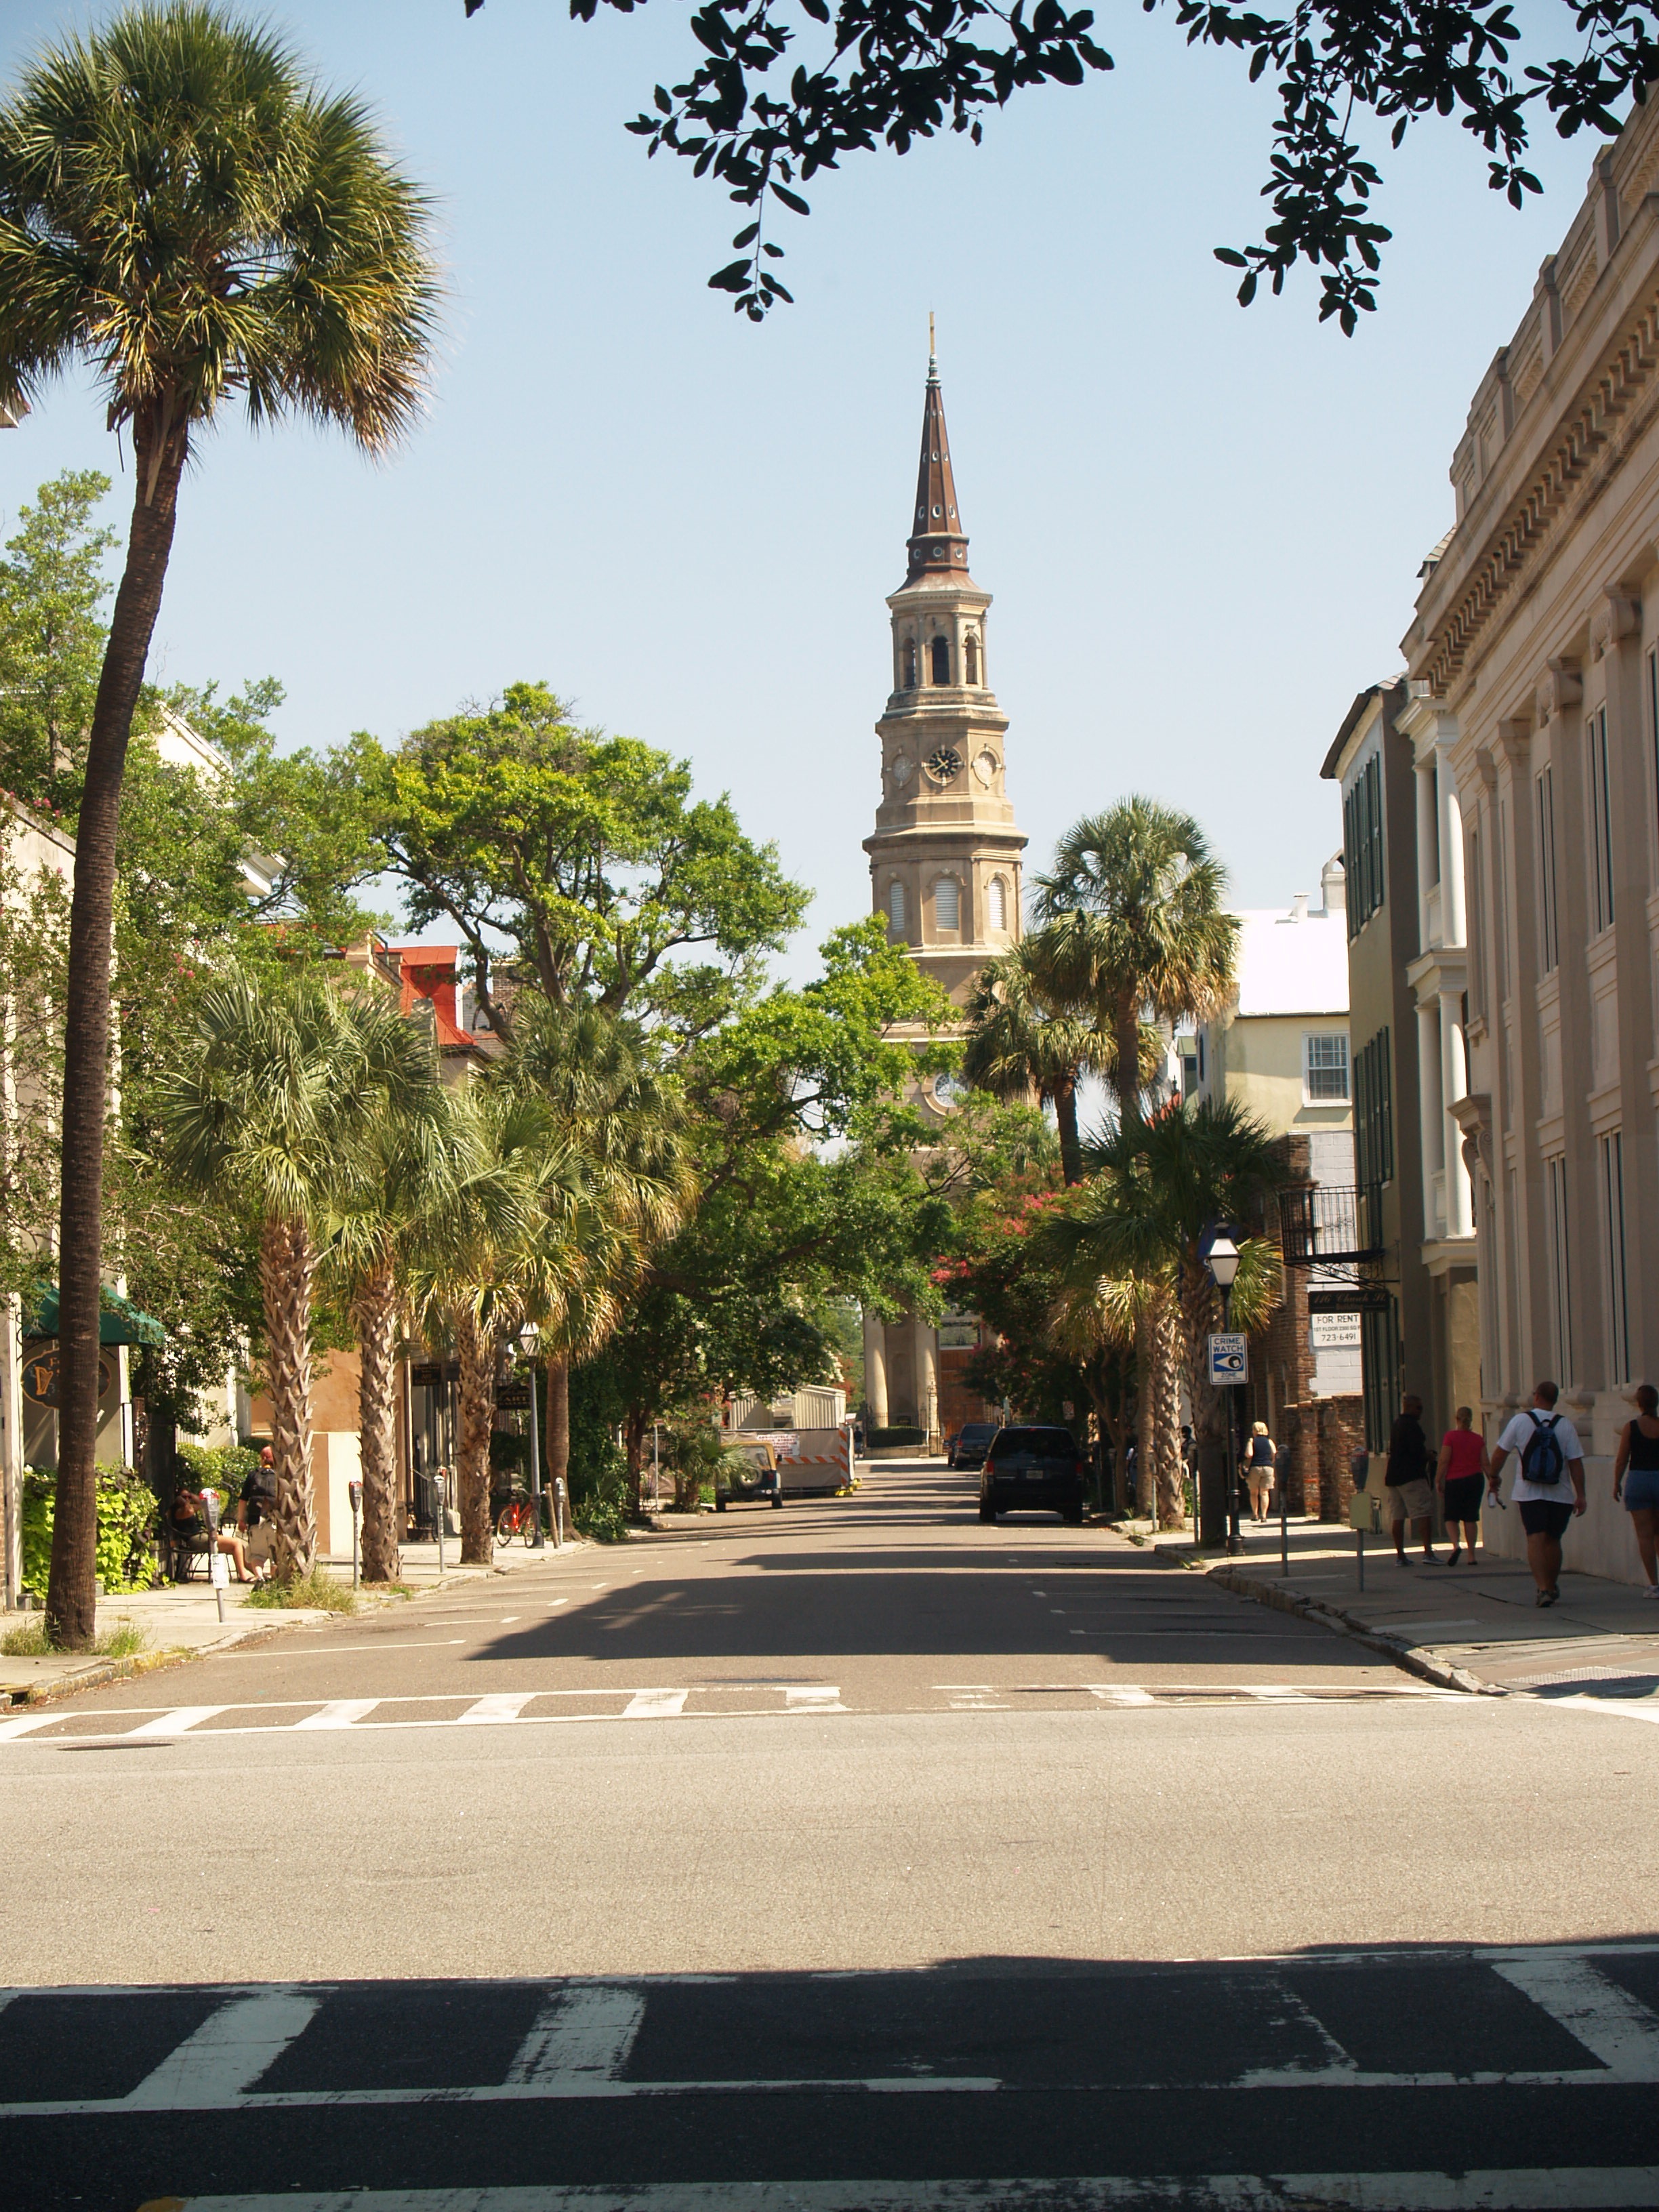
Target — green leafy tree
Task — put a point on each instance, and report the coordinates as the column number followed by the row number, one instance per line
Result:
column 577, row 860
column 182, row 210
column 782, row 89
column 52, row 590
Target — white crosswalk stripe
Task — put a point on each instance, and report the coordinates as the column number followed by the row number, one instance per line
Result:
column 339, row 1713
column 588, row 2031
column 233, row 2047
column 1623, row 2034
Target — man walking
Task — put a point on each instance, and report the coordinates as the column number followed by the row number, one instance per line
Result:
column 1410, row 1494
column 1550, row 1457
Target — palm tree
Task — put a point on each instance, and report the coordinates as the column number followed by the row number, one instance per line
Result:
column 1159, row 1187
column 1140, row 886
column 185, row 211
column 623, row 1122
column 1026, row 1037
column 289, row 1079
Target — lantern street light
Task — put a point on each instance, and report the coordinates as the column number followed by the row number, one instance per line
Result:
column 1224, row 1270
column 528, row 1340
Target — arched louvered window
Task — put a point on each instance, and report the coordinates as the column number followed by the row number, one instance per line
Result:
column 973, row 658
column 896, row 904
column 909, row 664
column 947, row 904
column 996, row 904
column 941, row 660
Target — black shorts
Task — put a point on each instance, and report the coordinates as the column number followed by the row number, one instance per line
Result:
column 1463, row 1495
column 1542, row 1517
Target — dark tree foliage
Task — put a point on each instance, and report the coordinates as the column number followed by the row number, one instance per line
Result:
column 783, row 89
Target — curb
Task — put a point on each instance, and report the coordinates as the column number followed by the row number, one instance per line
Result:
column 1285, row 1598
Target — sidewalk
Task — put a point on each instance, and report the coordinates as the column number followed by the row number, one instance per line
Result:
column 1476, row 1628
column 180, row 1621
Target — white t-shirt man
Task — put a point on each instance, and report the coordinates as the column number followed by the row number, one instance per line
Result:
column 1519, row 1434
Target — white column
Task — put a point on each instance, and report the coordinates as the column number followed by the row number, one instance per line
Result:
column 1452, row 923
column 1428, row 845
column 927, row 1344
column 11, row 1442
column 1454, row 1083
column 875, row 1370
column 1432, row 1114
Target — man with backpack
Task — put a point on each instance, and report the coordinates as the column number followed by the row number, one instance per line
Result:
column 1551, row 1457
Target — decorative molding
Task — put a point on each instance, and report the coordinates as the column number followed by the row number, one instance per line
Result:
column 1598, row 418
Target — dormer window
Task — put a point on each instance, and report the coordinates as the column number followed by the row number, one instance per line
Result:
column 941, row 660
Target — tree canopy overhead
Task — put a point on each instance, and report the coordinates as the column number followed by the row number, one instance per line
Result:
column 784, row 89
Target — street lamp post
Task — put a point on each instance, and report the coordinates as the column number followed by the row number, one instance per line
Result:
column 527, row 1341
column 1224, row 1269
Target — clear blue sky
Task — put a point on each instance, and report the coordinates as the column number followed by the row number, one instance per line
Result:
column 1202, row 526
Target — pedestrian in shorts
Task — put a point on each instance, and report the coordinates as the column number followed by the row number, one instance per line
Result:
column 1410, row 1495
column 1551, row 1457
column 1459, row 1480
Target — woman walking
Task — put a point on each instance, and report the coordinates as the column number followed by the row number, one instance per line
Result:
column 1259, row 1457
column 1460, row 1478
column 1636, row 1480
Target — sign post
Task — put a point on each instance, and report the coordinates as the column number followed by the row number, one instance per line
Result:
column 218, row 1571
column 356, row 1490
column 1229, row 1367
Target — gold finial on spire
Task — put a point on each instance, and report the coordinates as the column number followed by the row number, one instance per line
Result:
column 931, row 348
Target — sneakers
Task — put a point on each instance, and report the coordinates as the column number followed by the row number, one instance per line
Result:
column 1546, row 1597
column 1651, row 1591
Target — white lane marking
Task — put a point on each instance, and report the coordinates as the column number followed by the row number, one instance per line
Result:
column 358, row 1651
column 655, row 1705
column 556, row 2089
column 176, row 1721
column 581, row 2033
column 813, row 1697
column 1120, row 1693
column 11, row 1729
column 1522, row 2189
column 234, row 2046
column 338, row 1713
column 505, row 1705
column 1596, row 2012
column 1626, row 1708
column 1276, row 1693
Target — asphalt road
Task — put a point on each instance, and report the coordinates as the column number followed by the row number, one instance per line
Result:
column 852, row 1856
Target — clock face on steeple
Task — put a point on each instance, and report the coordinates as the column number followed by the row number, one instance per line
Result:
column 944, row 764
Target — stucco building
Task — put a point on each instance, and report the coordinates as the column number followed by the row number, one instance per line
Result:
column 1533, row 669
column 945, row 861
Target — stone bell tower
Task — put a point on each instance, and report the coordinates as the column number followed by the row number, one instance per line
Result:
column 945, row 859
column 945, row 868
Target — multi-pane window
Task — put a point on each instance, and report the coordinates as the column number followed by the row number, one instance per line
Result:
column 1561, row 1263
column 1601, row 818
column 1549, row 935
column 1362, row 844
column 947, row 904
column 1613, row 1231
column 1325, row 1071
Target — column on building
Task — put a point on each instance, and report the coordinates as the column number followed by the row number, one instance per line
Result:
column 1450, row 871
column 1432, row 1114
column 875, row 1369
column 927, row 1357
column 1428, row 851
column 1454, row 1085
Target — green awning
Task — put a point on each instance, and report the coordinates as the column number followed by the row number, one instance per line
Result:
column 120, row 1321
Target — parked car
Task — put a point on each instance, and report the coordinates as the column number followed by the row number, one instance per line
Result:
column 971, row 1444
column 1033, row 1470
column 750, row 1476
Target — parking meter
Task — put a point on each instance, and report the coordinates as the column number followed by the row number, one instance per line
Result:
column 218, row 1571
column 356, row 1488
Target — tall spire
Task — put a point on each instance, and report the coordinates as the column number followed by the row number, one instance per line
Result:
column 938, row 545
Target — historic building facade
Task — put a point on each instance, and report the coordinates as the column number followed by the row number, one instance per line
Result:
column 944, row 860
column 1533, row 667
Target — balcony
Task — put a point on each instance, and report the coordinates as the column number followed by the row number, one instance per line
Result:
column 1321, row 1223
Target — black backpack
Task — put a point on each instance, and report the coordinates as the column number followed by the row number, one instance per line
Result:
column 1542, row 1461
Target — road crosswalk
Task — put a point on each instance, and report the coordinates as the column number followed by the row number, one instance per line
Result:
column 1567, row 2017
column 66, row 1724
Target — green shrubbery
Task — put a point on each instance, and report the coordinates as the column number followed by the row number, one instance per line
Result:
column 126, row 1520
column 223, row 1467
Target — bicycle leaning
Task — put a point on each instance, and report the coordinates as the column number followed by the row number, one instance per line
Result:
column 518, row 1518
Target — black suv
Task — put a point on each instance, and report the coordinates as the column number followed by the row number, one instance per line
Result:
column 970, row 1444
column 1032, row 1469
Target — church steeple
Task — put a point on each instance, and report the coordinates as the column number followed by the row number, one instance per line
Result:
column 938, row 544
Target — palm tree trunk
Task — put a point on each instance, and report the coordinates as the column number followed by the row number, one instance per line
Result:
column 634, row 1430
column 1145, row 1411
column 375, row 1312
column 1170, row 1506
column 474, row 1346
column 1071, row 1149
column 558, row 1436
column 71, row 1592
column 288, row 1266
column 1125, row 1076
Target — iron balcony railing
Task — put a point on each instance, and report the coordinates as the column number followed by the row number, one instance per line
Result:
column 1321, row 1222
